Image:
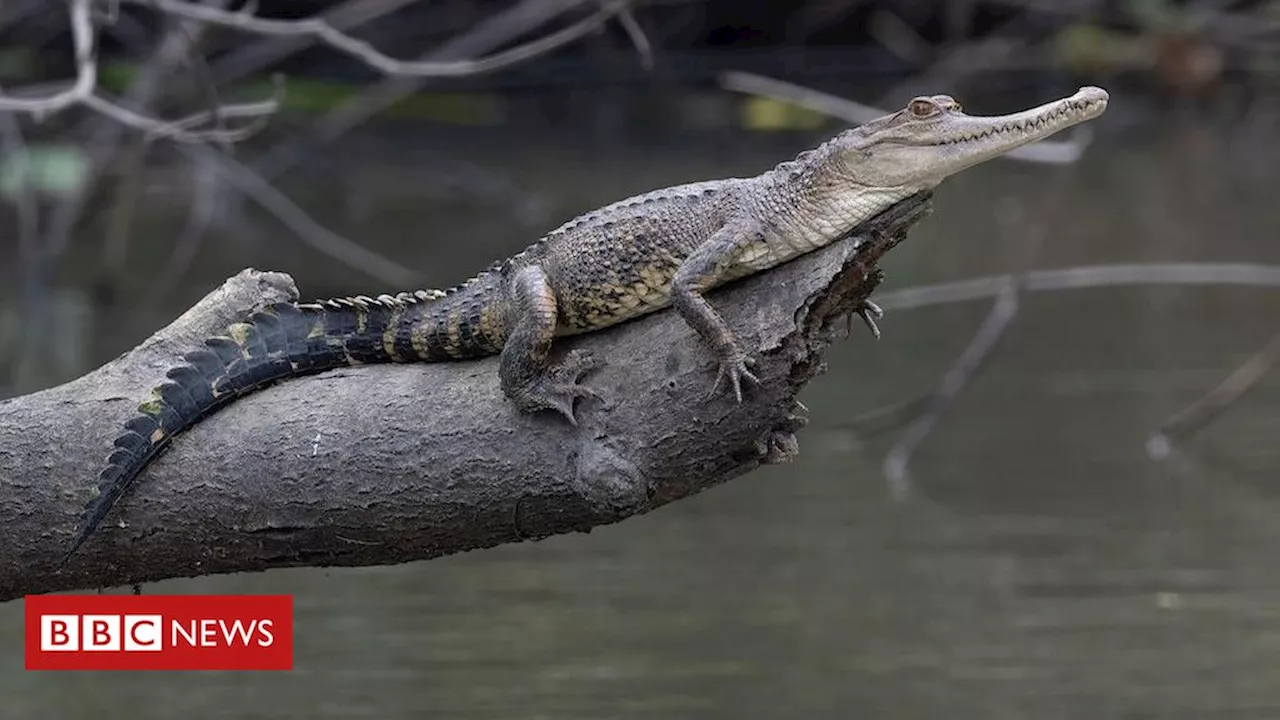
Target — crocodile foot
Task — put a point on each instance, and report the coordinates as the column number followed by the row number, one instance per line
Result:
column 870, row 313
column 558, row 387
column 736, row 366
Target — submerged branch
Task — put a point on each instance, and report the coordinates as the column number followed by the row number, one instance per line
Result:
column 1198, row 415
column 953, row 381
column 1086, row 276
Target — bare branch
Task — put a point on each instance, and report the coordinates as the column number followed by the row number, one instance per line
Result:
column 922, row 410
column 253, row 56
column 835, row 106
column 195, row 128
column 1044, row 151
column 324, row 32
column 342, row 249
column 996, row 49
column 179, row 41
column 493, row 32
column 82, row 36
column 984, row 342
column 181, row 129
column 955, row 379
column 643, row 47
column 1086, row 277
column 82, row 92
column 1195, row 417
column 886, row 418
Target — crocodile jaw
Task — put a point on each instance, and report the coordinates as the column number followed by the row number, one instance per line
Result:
column 912, row 153
column 963, row 141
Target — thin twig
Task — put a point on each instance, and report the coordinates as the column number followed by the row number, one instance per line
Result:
column 1043, row 151
column 833, row 105
column 251, row 57
column 890, row 417
column 1088, row 276
column 994, row 50
column 209, row 89
column 1196, row 416
column 887, row 418
column 494, row 32
column 978, row 350
column 200, row 215
column 86, row 81
column 311, row 232
column 204, row 192
column 104, row 138
column 639, row 40
column 369, row 55
column 179, row 130
column 1078, row 278
column 83, row 92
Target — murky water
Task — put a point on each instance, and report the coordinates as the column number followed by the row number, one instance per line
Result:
column 1040, row 566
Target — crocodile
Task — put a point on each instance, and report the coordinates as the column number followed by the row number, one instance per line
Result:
column 668, row 247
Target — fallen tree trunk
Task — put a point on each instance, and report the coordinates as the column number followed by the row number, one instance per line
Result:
column 386, row 464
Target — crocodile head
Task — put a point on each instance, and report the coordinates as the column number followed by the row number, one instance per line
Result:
column 931, row 139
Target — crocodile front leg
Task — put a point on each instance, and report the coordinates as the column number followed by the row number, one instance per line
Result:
column 528, row 379
column 707, row 267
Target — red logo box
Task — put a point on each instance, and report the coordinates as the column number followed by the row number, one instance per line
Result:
column 159, row 632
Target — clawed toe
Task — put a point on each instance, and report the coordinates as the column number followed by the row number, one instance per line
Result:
column 559, row 397
column 559, row 387
column 563, row 404
column 737, row 369
column 869, row 312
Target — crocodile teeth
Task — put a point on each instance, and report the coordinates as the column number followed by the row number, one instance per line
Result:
column 1071, row 108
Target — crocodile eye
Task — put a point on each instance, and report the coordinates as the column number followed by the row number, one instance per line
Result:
column 921, row 108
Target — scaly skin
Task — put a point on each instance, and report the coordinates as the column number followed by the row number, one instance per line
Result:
column 664, row 248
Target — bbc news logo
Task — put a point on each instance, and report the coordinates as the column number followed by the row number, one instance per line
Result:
column 159, row 632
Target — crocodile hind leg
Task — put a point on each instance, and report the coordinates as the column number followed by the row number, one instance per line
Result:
column 529, row 380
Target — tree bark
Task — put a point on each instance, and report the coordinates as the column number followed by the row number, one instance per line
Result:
column 386, row 464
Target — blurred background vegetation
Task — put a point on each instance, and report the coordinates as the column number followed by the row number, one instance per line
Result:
column 1048, row 491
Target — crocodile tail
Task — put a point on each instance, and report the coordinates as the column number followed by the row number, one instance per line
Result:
column 281, row 341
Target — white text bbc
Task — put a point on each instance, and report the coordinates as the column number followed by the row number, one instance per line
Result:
column 142, row 633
